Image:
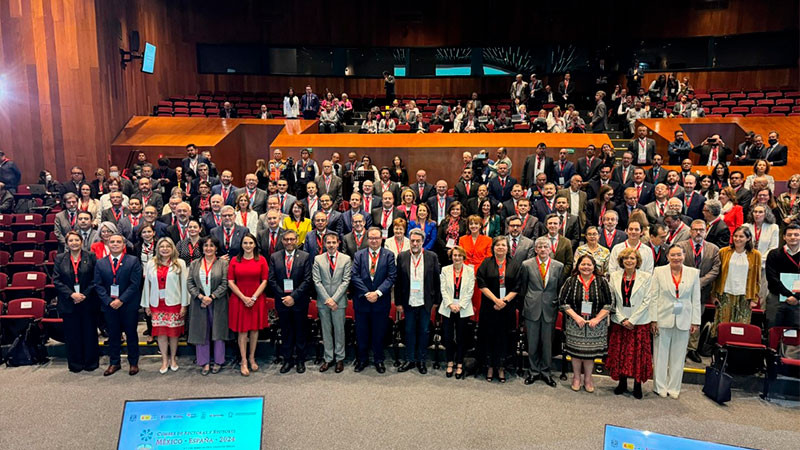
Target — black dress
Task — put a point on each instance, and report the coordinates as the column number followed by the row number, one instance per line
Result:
column 496, row 326
column 80, row 319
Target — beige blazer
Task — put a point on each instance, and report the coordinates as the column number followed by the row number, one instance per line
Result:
column 640, row 300
column 465, row 293
column 177, row 292
column 662, row 293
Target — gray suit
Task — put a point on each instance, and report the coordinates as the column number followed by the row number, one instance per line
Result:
column 92, row 236
column 524, row 251
column 540, row 309
column 288, row 201
column 335, row 287
column 197, row 316
column 63, row 225
column 335, row 189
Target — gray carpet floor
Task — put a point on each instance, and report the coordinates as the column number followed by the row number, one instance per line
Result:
column 368, row 410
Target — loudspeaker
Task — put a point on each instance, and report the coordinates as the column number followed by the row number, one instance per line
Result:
column 134, row 42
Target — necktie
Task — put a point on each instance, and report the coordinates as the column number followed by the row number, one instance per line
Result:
column 272, row 241
column 542, row 270
column 563, row 222
column 372, row 266
column 85, row 236
column 697, row 255
column 513, row 247
column 116, row 260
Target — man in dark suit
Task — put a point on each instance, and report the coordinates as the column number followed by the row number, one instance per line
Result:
column 386, row 184
column 309, row 104
column 227, row 111
column 625, row 209
column 644, row 190
column 712, row 151
column 656, row 174
column 66, row 220
column 149, row 216
column 290, row 283
column 588, row 166
column 384, row 216
column 374, row 273
column 356, row 239
column 560, row 246
column 547, row 204
column 355, row 208
column 569, row 224
column 776, row 154
column 369, row 198
column 743, row 195
column 657, row 244
column 605, row 178
column 192, row 160
column 717, row 231
column 563, row 170
column 270, row 238
column 77, row 179
column 147, row 196
column 334, row 217
column 117, row 281
column 465, row 189
column 536, row 164
column 610, row 235
column 439, row 203
column 225, row 188
column 329, row 183
column 566, row 88
column 202, row 175
column 692, row 201
column 678, row 150
column 600, row 114
column 212, row 219
column 177, row 231
column 422, row 189
column 510, row 207
column 315, row 239
column 500, row 186
column 416, row 291
column 258, row 197
column 623, row 173
column 229, row 234
column 642, row 148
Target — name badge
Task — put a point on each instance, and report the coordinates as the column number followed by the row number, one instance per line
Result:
column 384, row 233
column 451, row 243
column 162, row 294
column 77, row 288
column 416, row 286
column 114, row 290
column 561, row 180
column 586, row 308
column 303, row 174
column 502, row 292
column 288, row 286
column 626, row 311
column 677, row 308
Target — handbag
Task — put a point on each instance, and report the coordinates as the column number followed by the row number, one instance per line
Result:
column 717, row 385
column 27, row 348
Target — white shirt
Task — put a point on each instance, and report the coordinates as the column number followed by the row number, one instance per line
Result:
column 416, row 297
column 574, row 203
column 641, row 146
column 736, row 282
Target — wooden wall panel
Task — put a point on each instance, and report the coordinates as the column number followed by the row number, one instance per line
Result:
column 736, row 79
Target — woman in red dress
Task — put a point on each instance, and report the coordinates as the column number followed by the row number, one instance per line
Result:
column 478, row 247
column 247, row 309
column 165, row 297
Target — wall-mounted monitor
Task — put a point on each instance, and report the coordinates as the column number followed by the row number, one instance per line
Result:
column 149, row 58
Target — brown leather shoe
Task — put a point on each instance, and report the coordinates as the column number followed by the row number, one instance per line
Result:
column 339, row 366
column 324, row 367
column 111, row 370
column 133, row 370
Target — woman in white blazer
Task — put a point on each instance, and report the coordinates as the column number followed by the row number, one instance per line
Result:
column 766, row 236
column 246, row 216
column 291, row 105
column 629, row 342
column 675, row 314
column 165, row 297
column 458, row 283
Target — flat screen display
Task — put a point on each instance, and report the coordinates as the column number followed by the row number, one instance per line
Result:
column 230, row 423
column 149, row 58
column 620, row 438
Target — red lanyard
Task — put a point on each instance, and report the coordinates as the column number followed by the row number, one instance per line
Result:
column 757, row 232
column 146, row 200
column 416, row 264
column 181, row 231
column 677, row 230
column 677, row 282
column 135, row 219
column 602, row 214
column 116, row 214
column 501, row 270
column 226, row 191
column 312, row 204
column 191, row 250
column 656, row 255
column 525, row 222
column 790, row 257
column 228, row 236
column 687, row 199
column 244, row 217
column 398, row 244
column 289, row 262
column 627, row 285
column 457, row 279
column 273, row 240
column 358, row 240
column 374, row 260
column 217, row 219
column 332, row 261
column 554, row 245
column 442, row 202
column 320, row 247
column 386, row 214
column 791, row 203
column 637, row 247
column 586, row 286
column 611, row 241
column 207, row 268
column 203, row 204
column 75, row 265
column 114, row 268
column 712, row 223
column 673, row 191
column 251, row 194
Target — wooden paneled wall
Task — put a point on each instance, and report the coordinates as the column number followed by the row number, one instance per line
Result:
column 735, row 79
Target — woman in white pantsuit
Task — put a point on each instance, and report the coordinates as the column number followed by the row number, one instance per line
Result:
column 675, row 289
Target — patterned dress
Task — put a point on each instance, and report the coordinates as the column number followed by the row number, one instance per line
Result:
column 586, row 342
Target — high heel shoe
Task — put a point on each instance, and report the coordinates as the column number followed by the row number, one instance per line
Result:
column 244, row 371
column 490, row 377
column 449, row 371
column 459, row 372
column 501, row 376
column 163, row 370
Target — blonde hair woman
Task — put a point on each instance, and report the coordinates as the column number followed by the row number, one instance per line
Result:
column 165, row 298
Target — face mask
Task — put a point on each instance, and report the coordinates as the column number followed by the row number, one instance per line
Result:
column 48, row 178
column 114, row 174
column 694, row 106
column 772, row 141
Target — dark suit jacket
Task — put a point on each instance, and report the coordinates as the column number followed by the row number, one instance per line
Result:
column 528, row 179
column 460, row 191
column 719, row 234
column 660, row 258
column 185, row 165
column 647, row 194
column 362, row 283
column 209, row 222
column 778, row 156
column 259, row 200
column 427, row 192
column 433, row 203
column 310, row 245
column 705, row 152
column 585, row 171
column 160, row 229
column 263, row 241
column 566, row 174
column 233, row 113
column 650, row 150
column 300, row 276
column 377, row 219
column 155, row 200
column 564, row 88
column 661, row 177
column 743, row 198
column 695, row 209
column 616, row 174
column 217, row 190
column 108, row 215
column 347, row 220
column 497, row 192
column 594, row 189
column 431, row 287
column 236, row 240
column 622, row 210
column 129, row 280
column 64, row 281
column 349, row 243
column 541, row 209
column 619, row 236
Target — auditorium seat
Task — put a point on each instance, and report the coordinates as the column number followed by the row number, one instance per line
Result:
column 784, row 101
column 28, row 240
column 740, row 110
column 26, row 261
column 402, row 128
column 748, row 102
column 196, row 105
column 720, row 110
column 755, row 115
column 165, row 104
column 180, row 110
column 522, row 127
column 434, row 128
column 780, row 109
column 774, row 95
column 709, row 104
column 765, row 102
column 759, row 110
column 720, row 96
column 737, row 95
column 199, row 110
column 713, row 115
column 734, row 115
column 755, row 95
column 699, row 95
column 26, row 284
column 727, row 103
column 746, row 352
column 6, row 220
column 19, row 315
column 3, row 286
column 6, row 237
column 778, row 364
column 181, row 104
column 792, row 95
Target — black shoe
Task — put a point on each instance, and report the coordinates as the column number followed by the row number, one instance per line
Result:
column 449, row 372
column 406, row 366
column 548, row 381
column 637, row 391
column 359, row 367
column 301, row 367
column 286, row 367
column 692, row 355
column 423, row 368
column 380, row 368
column 530, row 379
column 76, row 369
column 460, row 375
